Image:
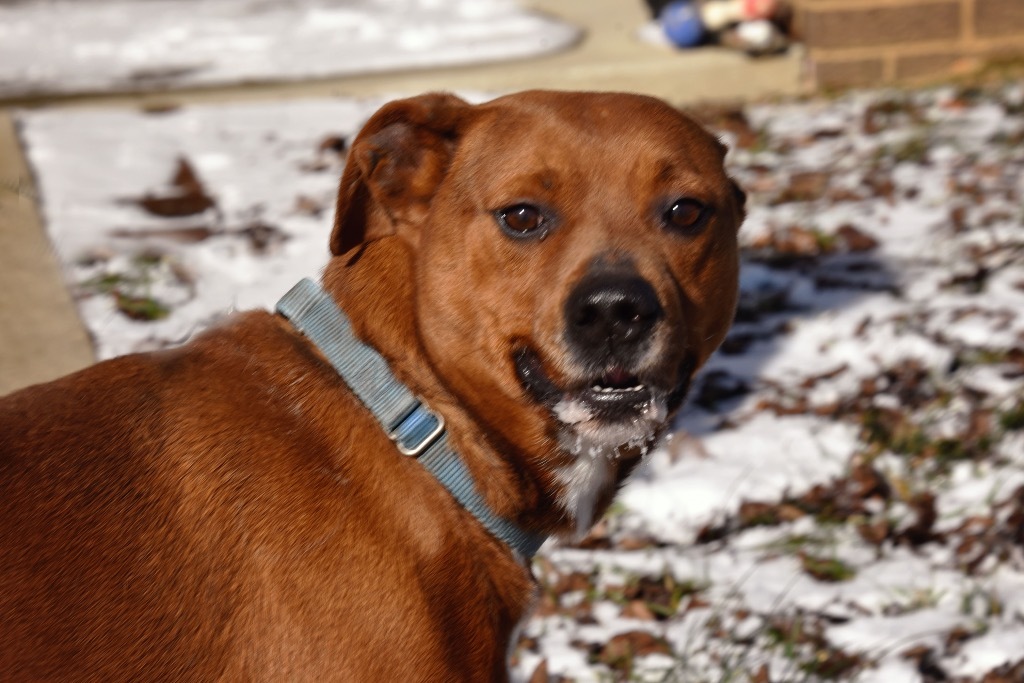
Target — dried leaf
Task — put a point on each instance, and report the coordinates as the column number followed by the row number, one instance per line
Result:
column 187, row 197
column 333, row 143
column 622, row 649
column 540, row 674
column 855, row 240
column 638, row 609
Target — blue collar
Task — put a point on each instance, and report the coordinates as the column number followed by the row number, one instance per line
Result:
column 415, row 429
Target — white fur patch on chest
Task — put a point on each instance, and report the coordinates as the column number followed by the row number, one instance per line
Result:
column 595, row 446
column 583, row 481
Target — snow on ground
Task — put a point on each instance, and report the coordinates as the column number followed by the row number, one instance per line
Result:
column 845, row 497
column 58, row 46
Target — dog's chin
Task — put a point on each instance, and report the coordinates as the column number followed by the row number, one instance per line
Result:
column 588, row 431
column 605, row 424
column 613, row 414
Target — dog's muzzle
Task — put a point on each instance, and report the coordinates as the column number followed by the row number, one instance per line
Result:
column 610, row 322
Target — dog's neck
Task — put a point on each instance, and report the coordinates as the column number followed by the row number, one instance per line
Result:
column 382, row 311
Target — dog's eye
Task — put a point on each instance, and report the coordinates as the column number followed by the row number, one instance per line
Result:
column 521, row 220
column 685, row 214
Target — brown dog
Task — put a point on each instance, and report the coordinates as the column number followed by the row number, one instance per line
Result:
column 546, row 271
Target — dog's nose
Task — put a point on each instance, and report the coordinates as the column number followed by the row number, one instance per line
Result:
column 611, row 314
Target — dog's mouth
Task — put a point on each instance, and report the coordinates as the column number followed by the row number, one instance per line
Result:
column 615, row 394
column 617, row 405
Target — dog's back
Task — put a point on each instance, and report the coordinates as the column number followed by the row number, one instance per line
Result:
column 161, row 518
column 100, row 476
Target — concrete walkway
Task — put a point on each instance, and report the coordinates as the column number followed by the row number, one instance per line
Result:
column 41, row 336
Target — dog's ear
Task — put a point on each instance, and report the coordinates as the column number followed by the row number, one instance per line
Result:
column 394, row 166
column 741, row 199
column 739, row 196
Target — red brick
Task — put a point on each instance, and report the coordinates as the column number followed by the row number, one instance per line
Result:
column 923, row 66
column 872, row 26
column 998, row 17
column 849, row 73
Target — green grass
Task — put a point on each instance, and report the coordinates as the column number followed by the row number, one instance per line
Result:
column 141, row 308
column 826, row 569
column 1013, row 419
column 131, row 288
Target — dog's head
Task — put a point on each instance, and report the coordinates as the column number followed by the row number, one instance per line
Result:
column 575, row 259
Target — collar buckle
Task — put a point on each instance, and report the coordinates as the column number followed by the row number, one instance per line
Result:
column 417, row 431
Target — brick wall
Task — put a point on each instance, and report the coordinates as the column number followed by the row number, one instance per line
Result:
column 869, row 42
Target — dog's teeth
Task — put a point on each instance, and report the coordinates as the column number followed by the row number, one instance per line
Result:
column 609, row 390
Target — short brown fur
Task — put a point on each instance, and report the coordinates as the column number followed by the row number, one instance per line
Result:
column 229, row 511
